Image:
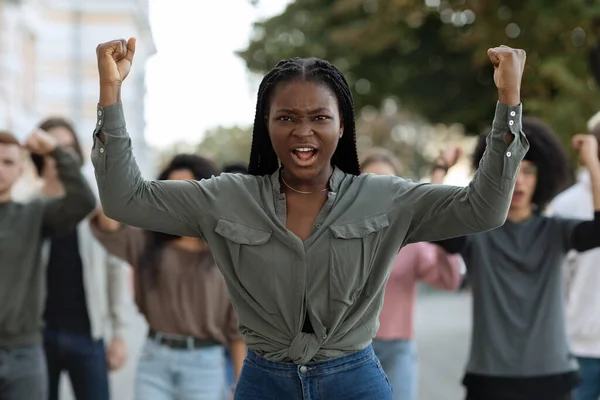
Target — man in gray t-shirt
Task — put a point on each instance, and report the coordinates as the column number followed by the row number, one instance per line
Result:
column 23, row 228
column 519, row 348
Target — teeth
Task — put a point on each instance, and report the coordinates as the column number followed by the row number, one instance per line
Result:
column 304, row 149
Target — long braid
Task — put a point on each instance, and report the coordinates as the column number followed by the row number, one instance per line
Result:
column 263, row 160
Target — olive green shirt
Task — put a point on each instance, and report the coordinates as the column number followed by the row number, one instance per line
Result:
column 338, row 274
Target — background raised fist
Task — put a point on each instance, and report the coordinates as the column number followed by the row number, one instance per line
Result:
column 114, row 61
column 40, row 142
column 450, row 156
column 508, row 64
column 587, row 147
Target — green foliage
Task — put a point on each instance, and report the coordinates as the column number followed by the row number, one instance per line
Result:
column 226, row 145
column 434, row 59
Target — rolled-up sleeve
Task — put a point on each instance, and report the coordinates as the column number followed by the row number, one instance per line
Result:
column 174, row 207
column 440, row 211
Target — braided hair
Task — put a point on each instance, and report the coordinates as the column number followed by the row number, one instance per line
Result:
column 263, row 160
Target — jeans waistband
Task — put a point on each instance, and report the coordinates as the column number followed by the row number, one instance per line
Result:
column 315, row 368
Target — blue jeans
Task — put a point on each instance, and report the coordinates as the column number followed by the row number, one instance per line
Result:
column 182, row 374
column 399, row 361
column 229, row 370
column 357, row 376
column 589, row 370
column 23, row 373
column 83, row 358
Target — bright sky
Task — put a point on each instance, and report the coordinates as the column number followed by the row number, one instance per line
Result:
column 195, row 81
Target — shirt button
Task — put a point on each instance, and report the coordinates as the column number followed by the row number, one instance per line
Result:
column 512, row 113
column 101, row 149
column 303, row 369
column 324, row 336
column 99, row 113
column 511, row 122
column 99, row 122
column 508, row 154
column 318, row 226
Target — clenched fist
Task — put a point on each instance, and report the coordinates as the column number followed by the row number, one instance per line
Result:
column 114, row 60
column 114, row 64
column 450, row 156
column 40, row 143
column 508, row 70
column 587, row 147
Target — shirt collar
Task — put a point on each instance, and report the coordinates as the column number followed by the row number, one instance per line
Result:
column 334, row 182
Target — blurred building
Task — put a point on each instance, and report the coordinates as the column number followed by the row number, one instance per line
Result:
column 48, row 63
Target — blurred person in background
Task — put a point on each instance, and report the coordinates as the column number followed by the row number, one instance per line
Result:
column 184, row 298
column 23, row 228
column 582, row 283
column 232, row 168
column 416, row 262
column 86, row 291
column 235, row 168
column 519, row 346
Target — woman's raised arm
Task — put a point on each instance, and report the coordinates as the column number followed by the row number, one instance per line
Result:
column 175, row 207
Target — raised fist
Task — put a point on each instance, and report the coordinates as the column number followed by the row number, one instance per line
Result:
column 587, row 147
column 508, row 70
column 40, row 142
column 114, row 61
column 449, row 157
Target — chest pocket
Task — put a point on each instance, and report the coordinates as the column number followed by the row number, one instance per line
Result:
column 353, row 248
column 252, row 258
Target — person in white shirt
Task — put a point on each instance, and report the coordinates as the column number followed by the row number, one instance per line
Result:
column 583, row 285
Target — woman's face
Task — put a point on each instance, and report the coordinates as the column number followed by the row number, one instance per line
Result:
column 181, row 175
column 525, row 186
column 305, row 126
column 379, row 168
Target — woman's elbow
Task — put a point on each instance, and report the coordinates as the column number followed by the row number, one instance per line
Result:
column 113, row 210
column 491, row 220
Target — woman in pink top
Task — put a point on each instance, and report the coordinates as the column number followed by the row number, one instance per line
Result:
column 416, row 262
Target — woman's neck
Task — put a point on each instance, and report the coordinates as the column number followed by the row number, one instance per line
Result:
column 316, row 184
column 519, row 214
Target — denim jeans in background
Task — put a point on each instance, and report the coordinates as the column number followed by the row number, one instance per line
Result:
column 23, row 373
column 399, row 361
column 589, row 370
column 180, row 374
column 82, row 358
column 229, row 370
column 357, row 376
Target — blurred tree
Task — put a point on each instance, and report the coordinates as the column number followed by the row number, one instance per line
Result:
column 415, row 142
column 226, row 144
column 220, row 144
column 431, row 55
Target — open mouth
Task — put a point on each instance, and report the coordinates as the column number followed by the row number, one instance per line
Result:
column 304, row 155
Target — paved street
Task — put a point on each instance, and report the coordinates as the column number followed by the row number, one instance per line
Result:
column 442, row 330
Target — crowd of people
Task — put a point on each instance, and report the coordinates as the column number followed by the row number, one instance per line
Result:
column 295, row 277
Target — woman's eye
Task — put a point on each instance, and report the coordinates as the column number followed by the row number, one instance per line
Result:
column 321, row 118
column 284, row 118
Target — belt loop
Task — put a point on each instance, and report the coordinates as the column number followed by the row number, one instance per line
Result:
column 190, row 343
